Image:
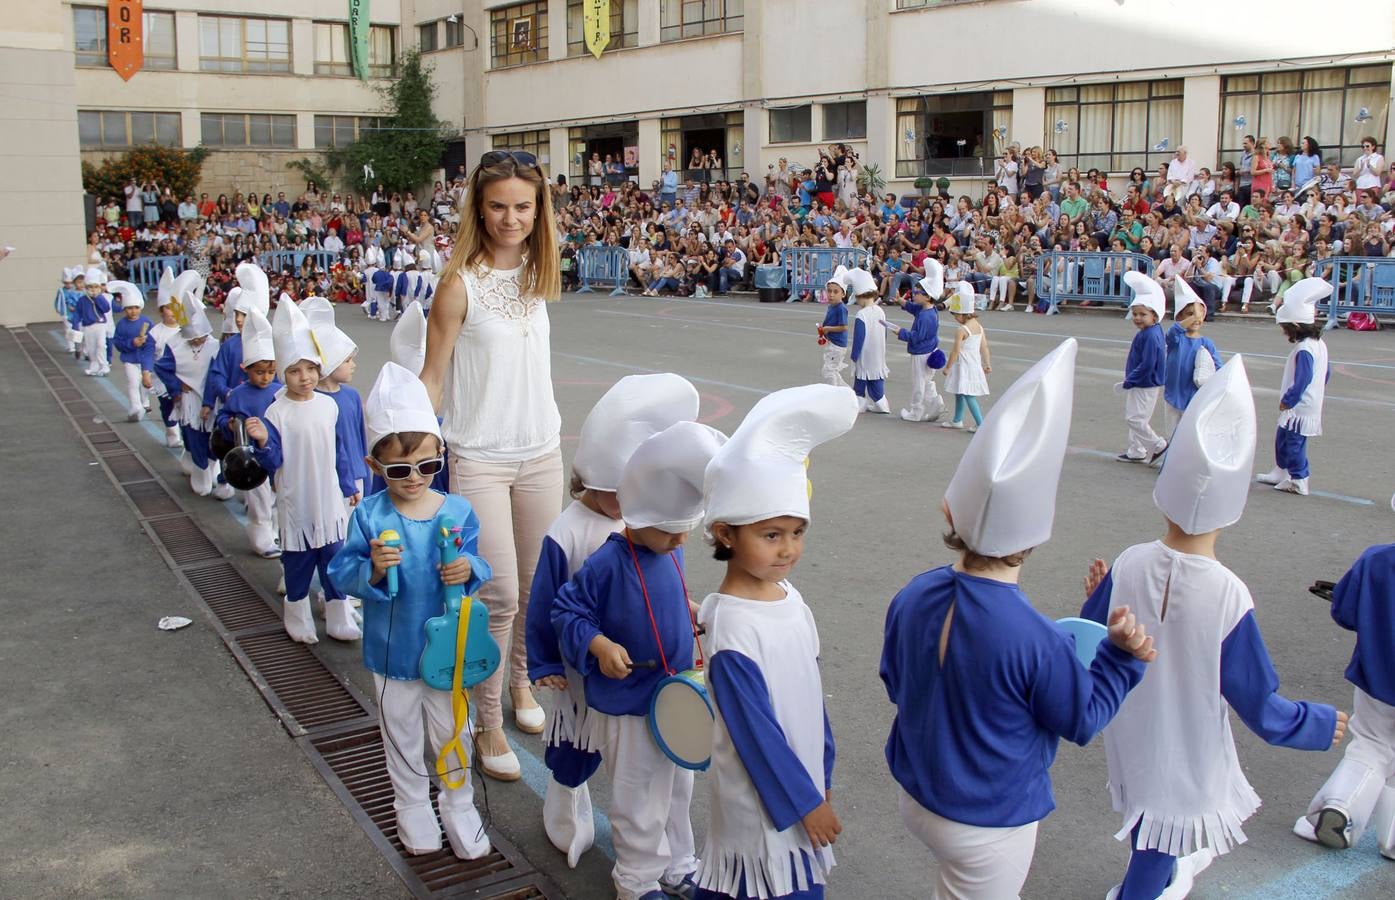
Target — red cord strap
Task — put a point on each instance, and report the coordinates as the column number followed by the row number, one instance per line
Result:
column 644, row 589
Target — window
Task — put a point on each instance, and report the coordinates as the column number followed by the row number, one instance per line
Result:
column 426, row 37
column 1324, row 104
column 228, row 44
column 680, row 19
column 1115, row 127
column 101, row 129
column 455, row 32
column 90, row 37
column 247, row 130
column 341, row 131
column 332, row 56
column 845, row 120
column 624, row 26
column 949, row 134
column 921, row 4
column 790, row 126
column 518, row 34
column 537, row 143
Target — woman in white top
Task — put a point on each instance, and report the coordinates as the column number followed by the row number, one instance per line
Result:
column 1370, row 165
column 488, row 369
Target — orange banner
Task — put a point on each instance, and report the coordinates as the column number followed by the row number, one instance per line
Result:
column 125, row 37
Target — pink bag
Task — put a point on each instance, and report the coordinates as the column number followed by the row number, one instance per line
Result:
column 1360, row 321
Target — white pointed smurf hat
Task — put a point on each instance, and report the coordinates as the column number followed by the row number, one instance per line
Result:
column 257, row 344
column 1183, row 296
column 759, row 474
column 636, row 408
column 839, row 277
column 1146, row 292
column 962, row 303
column 1205, row 478
column 1301, row 300
column 195, row 324
column 1003, row 495
column 164, row 291
column 661, row 486
column 335, row 346
column 95, row 275
column 292, row 338
column 933, row 284
column 398, row 402
column 859, row 281
column 407, row 344
column 230, row 304
column 188, row 283
column 256, row 290
column 130, row 294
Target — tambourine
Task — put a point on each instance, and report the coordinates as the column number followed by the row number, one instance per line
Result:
column 1087, row 634
column 681, row 719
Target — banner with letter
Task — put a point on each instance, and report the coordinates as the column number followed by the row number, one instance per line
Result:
column 358, row 37
column 596, row 24
column 125, row 37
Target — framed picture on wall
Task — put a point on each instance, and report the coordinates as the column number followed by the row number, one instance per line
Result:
column 522, row 34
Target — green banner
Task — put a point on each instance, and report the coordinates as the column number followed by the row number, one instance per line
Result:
column 358, row 37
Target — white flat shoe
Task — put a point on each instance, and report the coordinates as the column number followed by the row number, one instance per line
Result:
column 1273, row 476
column 465, row 831
column 299, row 621
column 340, row 623
column 1184, row 874
column 1304, row 829
column 418, row 831
column 530, row 719
column 501, row 768
column 951, row 424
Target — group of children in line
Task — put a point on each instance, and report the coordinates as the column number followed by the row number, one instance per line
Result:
column 389, row 288
column 983, row 685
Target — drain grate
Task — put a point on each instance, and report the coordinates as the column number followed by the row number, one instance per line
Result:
column 236, row 603
column 67, row 394
column 355, row 760
column 151, row 499
column 184, row 541
column 80, row 409
column 127, row 467
column 94, row 425
column 305, row 691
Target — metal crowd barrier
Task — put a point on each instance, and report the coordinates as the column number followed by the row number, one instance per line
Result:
column 809, row 268
column 1359, row 284
column 144, row 271
column 274, row 261
column 598, row 262
column 1069, row 275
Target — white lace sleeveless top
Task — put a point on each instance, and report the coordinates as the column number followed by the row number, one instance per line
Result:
column 498, row 404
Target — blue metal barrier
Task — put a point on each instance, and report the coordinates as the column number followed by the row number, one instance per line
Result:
column 144, row 271
column 274, row 261
column 1359, row 284
column 598, row 262
column 1070, row 275
column 809, row 268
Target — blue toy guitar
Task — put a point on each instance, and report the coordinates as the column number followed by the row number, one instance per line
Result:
column 460, row 638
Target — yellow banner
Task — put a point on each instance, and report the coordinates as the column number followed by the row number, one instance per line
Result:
column 596, row 22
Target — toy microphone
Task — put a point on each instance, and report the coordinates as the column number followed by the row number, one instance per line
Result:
column 822, row 338
column 391, row 539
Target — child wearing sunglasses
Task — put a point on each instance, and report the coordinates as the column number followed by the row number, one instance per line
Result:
column 405, row 444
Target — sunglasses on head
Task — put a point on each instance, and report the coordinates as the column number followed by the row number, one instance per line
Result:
column 522, row 157
column 427, row 468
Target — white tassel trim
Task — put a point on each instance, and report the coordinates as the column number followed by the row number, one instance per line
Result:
column 1308, row 426
column 778, row 873
column 1179, row 835
column 319, row 534
column 565, row 718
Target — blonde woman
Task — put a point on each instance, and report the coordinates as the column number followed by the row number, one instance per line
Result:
column 488, row 370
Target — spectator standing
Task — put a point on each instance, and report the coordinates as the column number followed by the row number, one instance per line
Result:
column 135, row 205
column 668, row 184
column 1261, row 171
column 1034, row 172
column 1245, row 171
column 1307, row 163
column 1052, row 178
column 1369, row 167
column 1006, row 170
column 1282, row 156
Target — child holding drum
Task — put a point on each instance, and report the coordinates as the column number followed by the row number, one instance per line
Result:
column 635, row 409
column 624, row 623
column 772, row 754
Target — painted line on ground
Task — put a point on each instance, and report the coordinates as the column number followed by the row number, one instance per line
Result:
column 1331, row 874
column 645, row 370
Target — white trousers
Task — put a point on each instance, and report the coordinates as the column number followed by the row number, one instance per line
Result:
column 650, row 799
column 405, row 706
column 1139, row 404
column 998, row 286
column 1174, row 418
column 834, row 362
column 973, row 863
column 136, row 397
column 925, row 398
column 94, row 344
column 1366, row 773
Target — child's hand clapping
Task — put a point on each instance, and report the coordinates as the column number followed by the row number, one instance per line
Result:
column 457, row 572
column 256, row 430
column 1094, row 575
column 380, row 554
column 1129, row 636
column 613, row 659
column 1341, row 730
column 822, row 825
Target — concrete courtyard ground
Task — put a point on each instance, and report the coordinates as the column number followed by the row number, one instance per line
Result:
column 139, row 763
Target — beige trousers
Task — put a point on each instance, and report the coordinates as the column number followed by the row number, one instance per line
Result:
column 516, row 503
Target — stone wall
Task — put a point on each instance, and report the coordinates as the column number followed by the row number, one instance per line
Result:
column 225, row 171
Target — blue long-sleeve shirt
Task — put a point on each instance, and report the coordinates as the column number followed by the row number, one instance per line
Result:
column 394, row 629
column 780, row 779
column 835, row 315
column 92, row 310
column 605, row 597
column 271, row 458
column 1179, row 382
column 165, row 371
column 124, row 340
column 1302, row 377
column 246, row 401
column 975, row 735
column 1249, row 684
column 1146, row 365
column 924, row 334
column 350, row 429
column 1364, row 602
column 225, row 372
column 859, row 338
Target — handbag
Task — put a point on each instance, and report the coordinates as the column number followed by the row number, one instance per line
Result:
column 1362, row 321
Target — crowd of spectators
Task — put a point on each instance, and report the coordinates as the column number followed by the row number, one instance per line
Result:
column 1249, row 229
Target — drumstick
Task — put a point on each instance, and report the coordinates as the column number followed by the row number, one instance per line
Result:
column 1322, row 589
column 646, row 664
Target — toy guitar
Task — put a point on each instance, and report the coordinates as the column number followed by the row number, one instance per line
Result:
column 457, row 656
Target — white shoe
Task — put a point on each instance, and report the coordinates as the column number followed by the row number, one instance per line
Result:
column 223, row 491
column 882, row 406
column 464, row 829
column 530, row 719
column 1297, row 486
column 1333, row 828
column 281, row 585
column 1304, row 829
column 262, row 537
column 862, row 404
column 1184, row 874
column 340, row 623
column 1273, row 476
column 568, row 820
column 299, row 621
column 172, row 438
column 186, row 463
column 951, row 424
column 909, row 416
column 418, row 831
column 503, row 767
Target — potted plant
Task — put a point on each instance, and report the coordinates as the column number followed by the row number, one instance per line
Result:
column 925, row 184
column 870, row 179
column 942, row 183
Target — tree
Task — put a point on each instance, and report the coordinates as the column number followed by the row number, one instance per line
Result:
column 166, row 166
column 405, row 149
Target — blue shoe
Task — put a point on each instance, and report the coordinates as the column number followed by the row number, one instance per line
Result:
column 686, row 889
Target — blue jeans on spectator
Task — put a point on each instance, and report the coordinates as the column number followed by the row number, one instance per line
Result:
column 979, row 281
column 664, row 284
column 135, row 217
column 670, row 199
column 893, row 287
column 1208, row 292
column 726, row 277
